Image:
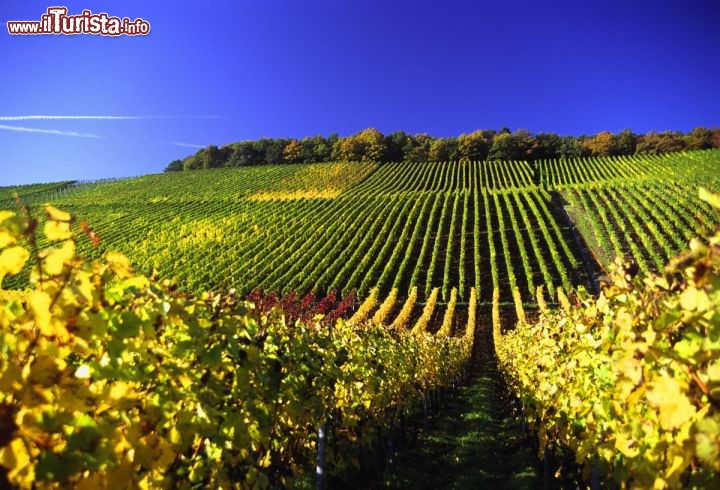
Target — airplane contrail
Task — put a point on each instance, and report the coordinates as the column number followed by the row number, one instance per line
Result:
column 182, row 143
column 47, row 117
column 49, row 131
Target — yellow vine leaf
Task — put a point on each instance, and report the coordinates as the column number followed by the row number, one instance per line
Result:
column 138, row 282
column 709, row 197
column 120, row 477
column 673, row 406
column 11, row 378
column 628, row 447
column 152, row 451
column 75, row 399
column 624, row 319
column 85, row 287
column 54, row 214
column 15, row 458
column 6, row 239
column 57, row 230
column 119, row 264
column 266, row 460
column 677, row 464
column 12, row 260
column 53, row 263
column 45, row 370
column 39, row 303
column 92, row 481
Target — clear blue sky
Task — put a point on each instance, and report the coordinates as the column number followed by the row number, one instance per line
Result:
column 223, row 71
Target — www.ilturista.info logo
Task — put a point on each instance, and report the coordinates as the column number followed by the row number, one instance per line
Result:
column 57, row 21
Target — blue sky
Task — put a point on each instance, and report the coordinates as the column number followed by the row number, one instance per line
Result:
column 224, row 71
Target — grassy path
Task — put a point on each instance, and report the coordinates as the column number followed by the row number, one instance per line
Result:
column 473, row 443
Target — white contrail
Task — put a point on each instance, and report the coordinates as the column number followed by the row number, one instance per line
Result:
column 183, row 144
column 47, row 117
column 49, row 131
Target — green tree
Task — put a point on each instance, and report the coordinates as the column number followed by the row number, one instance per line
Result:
column 270, row 150
column 417, row 148
column 314, row 149
column 210, row 157
column 626, row 142
column 545, row 146
column 245, row 154
column 570, row 147
column 193, row 162
column 439, row 151
column 394, row 144
column 452, row 146
column 511, row 146
column 503, row 148
column 174, row 166
column 474, row 146
column 321, row 148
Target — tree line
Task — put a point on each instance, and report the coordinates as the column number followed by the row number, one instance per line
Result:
column 489, row 144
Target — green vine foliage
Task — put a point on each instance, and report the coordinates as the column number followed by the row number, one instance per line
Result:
column 109, row 379
column 630, row 381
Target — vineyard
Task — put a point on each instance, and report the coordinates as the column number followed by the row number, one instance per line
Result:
column 437, row 253
column 355, row 227
column 629, row 380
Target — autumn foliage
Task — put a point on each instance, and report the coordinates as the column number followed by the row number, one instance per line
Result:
column 110, row 379
column 630, row 380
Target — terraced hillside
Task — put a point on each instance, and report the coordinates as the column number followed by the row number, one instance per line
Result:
column 356, row 226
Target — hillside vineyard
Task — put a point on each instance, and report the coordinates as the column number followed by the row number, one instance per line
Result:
column 367, row 286
column 359, row 226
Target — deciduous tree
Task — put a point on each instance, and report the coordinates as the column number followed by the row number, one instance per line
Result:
column 545, row 146
column 570, row 147
column 510, row 146
column 602, row 144
column 291, row 152
column 699, row 139
column 394, row 144
column 665, row 142
column 174, row 166
column 417, row 148
column 438, row 151
column 626, row 142
column 367, row 145
column 474, row 146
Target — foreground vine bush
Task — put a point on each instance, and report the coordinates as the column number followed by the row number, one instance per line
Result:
column 109, row 379
column 630, row 381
